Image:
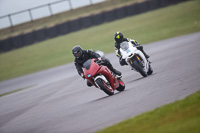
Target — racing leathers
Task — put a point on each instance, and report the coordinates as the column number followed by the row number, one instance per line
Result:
column 88, row 54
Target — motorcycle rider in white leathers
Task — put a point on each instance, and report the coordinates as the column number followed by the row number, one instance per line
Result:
column 119, row 38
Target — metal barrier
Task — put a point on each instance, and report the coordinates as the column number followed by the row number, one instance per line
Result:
column 81, row 23
column 29, row 12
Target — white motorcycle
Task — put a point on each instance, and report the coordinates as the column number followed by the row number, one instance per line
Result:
column 136, row 59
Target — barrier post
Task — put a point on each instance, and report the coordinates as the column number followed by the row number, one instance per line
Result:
column 30, row 14
column 91, row 2
column 50, row 10
column 70, row 4
column 10, row 19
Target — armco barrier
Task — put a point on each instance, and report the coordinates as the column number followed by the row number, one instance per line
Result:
column 81, row 23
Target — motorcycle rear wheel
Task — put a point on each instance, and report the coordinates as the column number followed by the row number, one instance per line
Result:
column 105, row 87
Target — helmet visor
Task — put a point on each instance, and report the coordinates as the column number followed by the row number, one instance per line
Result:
column 77, row 54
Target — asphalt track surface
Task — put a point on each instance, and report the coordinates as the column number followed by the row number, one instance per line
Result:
column 59, row 101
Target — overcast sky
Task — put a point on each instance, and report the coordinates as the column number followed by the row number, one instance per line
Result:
column 12, row 6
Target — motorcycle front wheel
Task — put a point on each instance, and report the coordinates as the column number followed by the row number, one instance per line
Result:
column 138, row 65
column 105, row 86
column 121, row 85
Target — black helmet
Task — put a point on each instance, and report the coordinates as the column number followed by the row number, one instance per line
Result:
column 77, row 51
column 119, row 37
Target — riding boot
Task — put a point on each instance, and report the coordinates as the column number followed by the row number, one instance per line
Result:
column 117, row 72
column 109, row 65
column 122, row 61
column 142, row 50
column 89, row 84
column 147, row 56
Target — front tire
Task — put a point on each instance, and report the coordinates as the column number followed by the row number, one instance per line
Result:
column 105, row 87
column 137, row 64
column 121, row 86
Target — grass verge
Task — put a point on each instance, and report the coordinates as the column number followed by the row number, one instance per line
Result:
column 178, row 117
column 4, row 94
column 152, row 26
column 7, row 93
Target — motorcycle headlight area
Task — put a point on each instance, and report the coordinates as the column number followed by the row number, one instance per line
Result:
column 127, row 51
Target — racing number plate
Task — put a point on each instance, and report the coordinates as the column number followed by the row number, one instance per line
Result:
column 127, row 51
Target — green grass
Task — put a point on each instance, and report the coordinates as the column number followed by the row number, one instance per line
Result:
column 7, row 93
column 156, row 25
column 4, row 94
column 179, row 117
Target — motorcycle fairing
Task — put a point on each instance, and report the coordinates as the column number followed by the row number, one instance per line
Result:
column 93, row 70
column 133, row 52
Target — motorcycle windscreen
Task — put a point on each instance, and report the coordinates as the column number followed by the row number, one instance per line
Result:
column 87, row 64
column 124, row 46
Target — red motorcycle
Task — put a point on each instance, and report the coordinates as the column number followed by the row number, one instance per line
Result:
column 101, row 77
